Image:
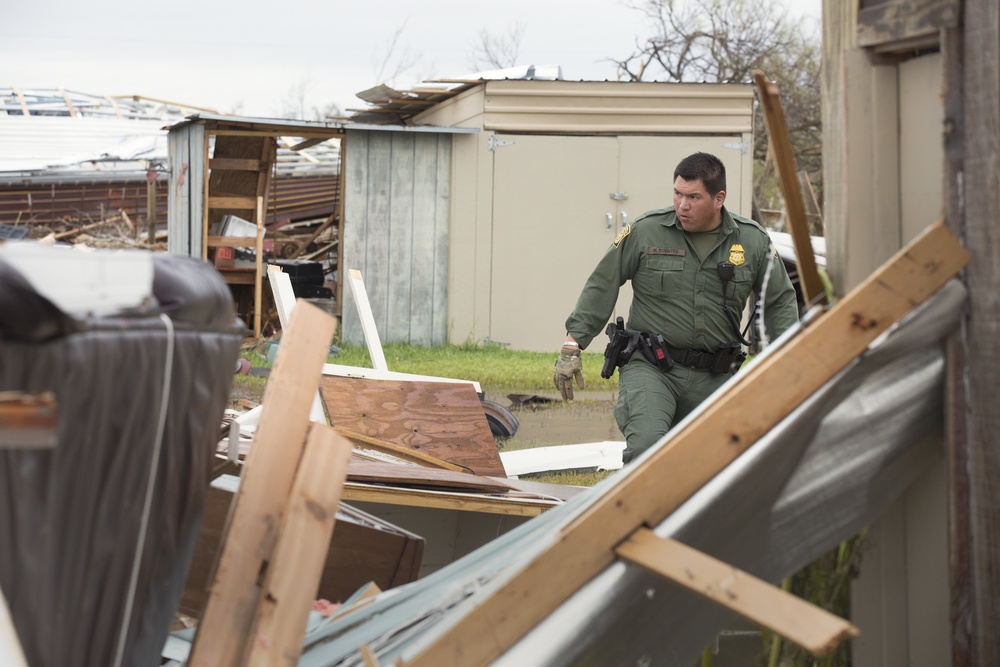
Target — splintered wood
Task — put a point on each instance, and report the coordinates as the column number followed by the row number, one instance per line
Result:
column 661, row 482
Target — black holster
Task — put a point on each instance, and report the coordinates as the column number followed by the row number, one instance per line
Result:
column 621, row 345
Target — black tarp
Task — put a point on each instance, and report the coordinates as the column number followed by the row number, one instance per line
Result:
column 93, row 556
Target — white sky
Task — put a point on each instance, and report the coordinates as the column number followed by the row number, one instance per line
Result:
column 250, row 57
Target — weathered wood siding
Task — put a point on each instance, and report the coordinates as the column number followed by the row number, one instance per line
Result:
column 396, row 198
column 186, row 197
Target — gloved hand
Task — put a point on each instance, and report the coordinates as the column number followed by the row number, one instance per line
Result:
column 568, row 367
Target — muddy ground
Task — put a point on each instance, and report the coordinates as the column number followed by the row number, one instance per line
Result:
column 549, row 421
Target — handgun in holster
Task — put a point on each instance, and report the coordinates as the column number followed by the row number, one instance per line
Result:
column 618, row 339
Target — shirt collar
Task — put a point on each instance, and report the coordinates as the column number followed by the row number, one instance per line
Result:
column 728, row 223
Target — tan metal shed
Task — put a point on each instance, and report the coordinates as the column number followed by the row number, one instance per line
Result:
column 555, row 171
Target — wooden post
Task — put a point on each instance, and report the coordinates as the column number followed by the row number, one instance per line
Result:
column 784, row 161
column 294, row 573
column 670, row 473
column 264, row 490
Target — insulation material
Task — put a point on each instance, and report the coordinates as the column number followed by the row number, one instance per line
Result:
column 829, row 469
column 97, row 531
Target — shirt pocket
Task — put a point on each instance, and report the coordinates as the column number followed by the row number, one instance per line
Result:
column 742, row 286
column 661, row 275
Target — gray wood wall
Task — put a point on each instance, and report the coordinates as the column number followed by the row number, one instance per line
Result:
column 185, row 198
column 396, row 209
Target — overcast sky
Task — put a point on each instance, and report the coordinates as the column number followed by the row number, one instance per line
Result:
column 252, row 57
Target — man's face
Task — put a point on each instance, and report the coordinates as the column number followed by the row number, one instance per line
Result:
column 696, row 209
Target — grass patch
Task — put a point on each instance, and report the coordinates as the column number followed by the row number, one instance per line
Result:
column 495, row 368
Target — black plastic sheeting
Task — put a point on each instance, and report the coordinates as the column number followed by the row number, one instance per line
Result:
column 74, row 517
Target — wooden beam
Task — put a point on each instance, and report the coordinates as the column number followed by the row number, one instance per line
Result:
column 805, row 624
column 232, row 241
column 235, row 164
column 462, row 501
column 784, row 162
column 264, row 489
column 233, row 201
column 293, row 575
column 898, row 24
column 405, row 453
column 367, row 320
column 659, row 482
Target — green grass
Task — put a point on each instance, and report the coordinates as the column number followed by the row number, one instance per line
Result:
column 495, row 368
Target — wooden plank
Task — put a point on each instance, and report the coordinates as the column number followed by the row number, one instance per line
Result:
column 376, row 267
column 258, row 267
column 807, row 625
column 905, row 23
column 442, row 213
column 399, row 293
column 404, row 453
column 420, row 310
column 236, row 164
column 11, row 653
column 339, row 370
column 367, row 318
column 232, row 241
column 443, row 419
column 293, row 575
column 236, row 202
column 668, row 475
column 462, row 501
column 266, row 482
column 379, row 472
column 784, row 162
column 979, row 209
column 28, row 419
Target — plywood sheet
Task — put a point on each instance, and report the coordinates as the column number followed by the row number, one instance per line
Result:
column 443, row 419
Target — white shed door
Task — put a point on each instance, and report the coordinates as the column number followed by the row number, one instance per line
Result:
column 558, row 203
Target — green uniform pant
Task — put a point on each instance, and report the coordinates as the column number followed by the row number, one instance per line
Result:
column 651, row 401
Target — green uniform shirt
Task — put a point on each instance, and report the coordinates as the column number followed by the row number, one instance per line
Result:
column 677, row 294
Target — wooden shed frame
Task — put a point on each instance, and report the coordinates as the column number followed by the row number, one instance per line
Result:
column 911, row 121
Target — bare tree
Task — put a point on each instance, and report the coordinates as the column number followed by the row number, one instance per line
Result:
column 724, row 41
column 397, row 61
column 498, row 51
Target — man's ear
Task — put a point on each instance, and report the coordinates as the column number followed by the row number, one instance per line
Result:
column 720, row 198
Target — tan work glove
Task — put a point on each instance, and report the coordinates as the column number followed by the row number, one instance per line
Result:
column 568, row 367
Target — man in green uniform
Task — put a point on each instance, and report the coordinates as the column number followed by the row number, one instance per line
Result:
column 688, row 264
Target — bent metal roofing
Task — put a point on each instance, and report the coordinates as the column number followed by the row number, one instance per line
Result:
column 53, row 135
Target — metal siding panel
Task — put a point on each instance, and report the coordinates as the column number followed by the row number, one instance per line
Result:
column 402, row 223
column 644, row 107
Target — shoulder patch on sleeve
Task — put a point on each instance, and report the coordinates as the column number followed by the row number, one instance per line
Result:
column 626, row 230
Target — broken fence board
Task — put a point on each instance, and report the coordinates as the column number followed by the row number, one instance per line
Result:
column 812, row 628
column 266, row 482
column 660, row 481
column 294, row 573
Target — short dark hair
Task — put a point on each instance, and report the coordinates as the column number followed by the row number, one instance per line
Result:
column 703, row 167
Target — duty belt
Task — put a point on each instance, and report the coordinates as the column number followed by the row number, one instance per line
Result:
column 657, row 352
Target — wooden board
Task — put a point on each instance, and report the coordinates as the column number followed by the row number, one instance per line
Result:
column 421, row 476
column 658, row 483
column 294, row 571
column 443, row 419
column 266, row 483
column 812, row 628
column 363, row 548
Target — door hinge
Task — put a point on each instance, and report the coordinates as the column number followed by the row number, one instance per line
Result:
column 493, row 143
column 743, row 147
column 619, row 196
